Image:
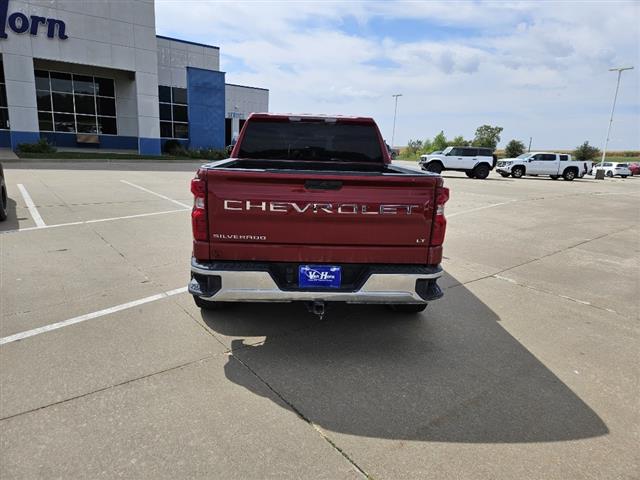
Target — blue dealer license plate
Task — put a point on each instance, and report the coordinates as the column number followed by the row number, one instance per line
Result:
column 322, row 276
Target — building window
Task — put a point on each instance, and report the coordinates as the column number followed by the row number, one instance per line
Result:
column 72, row 103
column 4, row 110
column 174, row 118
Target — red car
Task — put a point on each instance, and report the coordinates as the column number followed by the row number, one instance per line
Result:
column 634, row 168
column 310, row 209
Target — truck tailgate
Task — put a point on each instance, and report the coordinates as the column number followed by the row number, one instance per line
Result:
column 301, row 216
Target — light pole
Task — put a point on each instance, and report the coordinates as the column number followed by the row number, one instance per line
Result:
column 395, row 113
column 615, row 97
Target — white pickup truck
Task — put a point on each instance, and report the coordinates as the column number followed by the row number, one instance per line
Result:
column 555, row 165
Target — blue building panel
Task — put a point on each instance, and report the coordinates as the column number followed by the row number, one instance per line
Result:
column 18, row 137
column 149, row 146
column 205, row 92
column 61, row 139
column 5, row 138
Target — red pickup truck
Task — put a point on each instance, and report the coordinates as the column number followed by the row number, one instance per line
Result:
column 310, row 208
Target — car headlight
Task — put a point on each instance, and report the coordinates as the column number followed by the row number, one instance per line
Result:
column 508, row 164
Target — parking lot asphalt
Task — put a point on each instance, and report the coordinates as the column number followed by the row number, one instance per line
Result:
column 527, row 368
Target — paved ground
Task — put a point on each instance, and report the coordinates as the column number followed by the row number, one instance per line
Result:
column 528, row 368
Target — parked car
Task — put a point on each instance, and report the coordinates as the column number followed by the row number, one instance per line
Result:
column 473, row 161
column 634, row 169
column 612, row 169
column 393, row 152
column 555, row 165
column 3, row 196
column 311, row 209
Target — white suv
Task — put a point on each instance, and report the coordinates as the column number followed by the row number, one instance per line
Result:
column 613, row 169
column 474, row 161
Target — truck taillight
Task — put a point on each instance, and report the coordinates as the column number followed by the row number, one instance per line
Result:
column 439, row 221
column 199, row 213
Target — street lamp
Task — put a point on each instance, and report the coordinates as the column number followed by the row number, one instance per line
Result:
column 615, row 97
column 395, row 113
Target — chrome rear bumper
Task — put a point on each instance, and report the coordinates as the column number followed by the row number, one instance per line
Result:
column 243, row 285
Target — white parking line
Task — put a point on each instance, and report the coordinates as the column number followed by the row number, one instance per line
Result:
column 449, row 215
column 89, row 316
column 100, row 220
column 156, row 194
column 31, row 206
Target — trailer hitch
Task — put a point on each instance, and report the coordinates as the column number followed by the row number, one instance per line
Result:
column 317, row 308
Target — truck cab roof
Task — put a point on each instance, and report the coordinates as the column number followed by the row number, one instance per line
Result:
column 297, row 117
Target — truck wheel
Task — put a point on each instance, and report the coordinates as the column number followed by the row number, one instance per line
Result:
column 481, row 171
column 569, row 174
column 435, row 167
column 408, row 307
column 505, row 175
column 517, row 172
column 554, row 177
column 207, row 305
column 469, row 174
column 3, row 200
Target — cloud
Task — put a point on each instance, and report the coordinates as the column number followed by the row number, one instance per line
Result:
column 535, row 68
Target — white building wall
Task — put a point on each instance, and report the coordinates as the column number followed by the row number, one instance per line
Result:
column 106, row 33
column 241, row 101
column 175, row 56
column 245, row 100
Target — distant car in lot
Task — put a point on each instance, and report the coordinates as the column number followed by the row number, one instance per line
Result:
column 634, row 169
column 3, row 196
column 555, row 165
column 473, row 161
column 612, row 169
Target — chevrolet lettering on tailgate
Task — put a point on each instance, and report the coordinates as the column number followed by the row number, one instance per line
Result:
column 343, row 208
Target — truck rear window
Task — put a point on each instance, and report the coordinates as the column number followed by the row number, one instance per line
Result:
column 312, row 141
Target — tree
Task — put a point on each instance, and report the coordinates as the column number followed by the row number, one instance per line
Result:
column 459, row 141
column 413, row 148
column 426, row 147
column 487, row 136
column 585, row 152
column 439, row 141
column 514, row 148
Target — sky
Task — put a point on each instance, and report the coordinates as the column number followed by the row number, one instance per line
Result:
column 537, row 69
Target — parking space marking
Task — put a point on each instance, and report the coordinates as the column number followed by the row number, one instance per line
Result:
column 449, row 215
column 156, row 194
column 99, row 220
column 31, row 206
column 90, row 316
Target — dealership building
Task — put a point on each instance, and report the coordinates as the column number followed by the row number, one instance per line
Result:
column 94, row 74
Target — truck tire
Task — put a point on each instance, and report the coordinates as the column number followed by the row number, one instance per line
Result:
column 569, row 174
column 469, row 174
column 517, row 172
column 408, row 307
column 554, row 177
column 3, row 200
column 207, row 305
column 481, row 171
column 435, row 167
